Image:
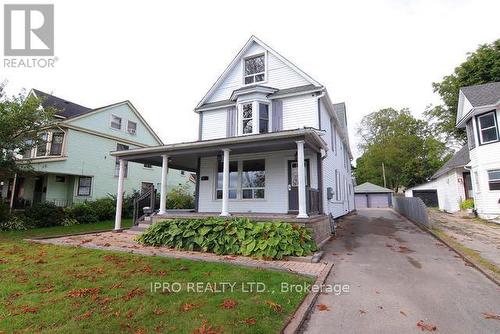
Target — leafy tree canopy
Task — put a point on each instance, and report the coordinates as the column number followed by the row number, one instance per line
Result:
column 407, row 146
column 21, row 122
column 481, row 66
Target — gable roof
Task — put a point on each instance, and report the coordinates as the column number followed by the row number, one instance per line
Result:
column 64, row 108
column 460, row 159
column 236, row 60
column 368, row 187
column 482, row 95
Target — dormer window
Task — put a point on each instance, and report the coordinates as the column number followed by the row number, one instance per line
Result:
column 255, row 69
column 254, row 117
column 488, row 128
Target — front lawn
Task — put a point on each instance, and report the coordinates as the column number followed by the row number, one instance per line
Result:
column 47, row 289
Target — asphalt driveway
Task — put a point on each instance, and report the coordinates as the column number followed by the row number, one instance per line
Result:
column 397, row 276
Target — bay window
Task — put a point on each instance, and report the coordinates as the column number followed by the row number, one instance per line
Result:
column 254, row 69
column 254, row 117
column 233, row 179
column 247, row 118
column 494, row 179
column 487, row 128
column 247, row 179
column 263, row 118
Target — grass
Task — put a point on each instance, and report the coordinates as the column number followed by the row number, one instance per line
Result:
column 56, row 289
column 471, row 254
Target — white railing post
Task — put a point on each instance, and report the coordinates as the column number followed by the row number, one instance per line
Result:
column 225, row 184
column 302, row 180
column 119, row 198
column 163, row 190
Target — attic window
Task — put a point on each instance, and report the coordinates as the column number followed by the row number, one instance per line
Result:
column 488, row 131
column 255, row 69
column 131, row 127
column 116, row 122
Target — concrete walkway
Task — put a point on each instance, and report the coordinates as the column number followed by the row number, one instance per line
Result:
column 399, row 275
column 483, row 238
column 124, row 242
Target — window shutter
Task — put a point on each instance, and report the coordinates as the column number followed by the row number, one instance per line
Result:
column 231, row 122
column 277, row 115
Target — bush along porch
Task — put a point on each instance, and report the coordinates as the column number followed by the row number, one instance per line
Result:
column 237, row 236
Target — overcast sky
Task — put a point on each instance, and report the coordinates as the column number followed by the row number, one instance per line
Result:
column 164, row 55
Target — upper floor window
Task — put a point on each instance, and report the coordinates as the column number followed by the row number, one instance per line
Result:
column 471, row 141
column 116, row 122
column 131, row 127
column 41, row 148
column 247, row 118
column 255, row 69
column 494, row 179
column 57, row 143
column 263, row 117
column 488, row 128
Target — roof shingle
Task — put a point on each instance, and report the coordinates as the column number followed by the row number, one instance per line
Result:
column 482, row 95
column 64, row 108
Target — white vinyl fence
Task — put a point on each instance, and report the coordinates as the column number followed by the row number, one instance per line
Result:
column 412, row 208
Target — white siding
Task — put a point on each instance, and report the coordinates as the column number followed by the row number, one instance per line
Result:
column 485, row 158
column 300, row 111
column 335, row 161
column 214, row 124
column 276, row 186
column 450, row 190
column 279, row 76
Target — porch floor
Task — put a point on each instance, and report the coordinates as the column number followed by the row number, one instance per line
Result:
column 289, row 218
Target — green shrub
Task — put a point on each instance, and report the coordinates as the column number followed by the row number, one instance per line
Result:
column 83, row 213
column 44, row 214
column 4, row 212
column 180, row 198
column 104, row 208
column 467, row 204
column 236, row 236
column 14, row 223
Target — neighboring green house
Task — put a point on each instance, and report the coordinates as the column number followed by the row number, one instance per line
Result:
column 75, row 165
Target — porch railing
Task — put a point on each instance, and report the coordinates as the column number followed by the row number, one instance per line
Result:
column 146, row 199
column 313, row 201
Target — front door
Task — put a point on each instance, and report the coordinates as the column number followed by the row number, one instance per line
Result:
column 293, row 183
column 467, row 185
column 38, row 190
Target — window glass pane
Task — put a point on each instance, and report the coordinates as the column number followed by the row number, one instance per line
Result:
column 247, row 126
column 247, row 110
column 489, row 135
column 247, row 193
column 254, row 174
column 259, row 77
column 42, row 146
column 56, row 145
column 263, row 118
column 254, row 65
column 487, row 121
column 494, row 185
column 116, row 122
column 84, row 185
column 259, row 193
column 131, row 126
column 494, row 175
column 233, row 175
column 249, row 80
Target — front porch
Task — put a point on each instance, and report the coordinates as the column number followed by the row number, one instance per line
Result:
column 265, row 177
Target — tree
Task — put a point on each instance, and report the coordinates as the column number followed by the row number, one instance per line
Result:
column 407, row 146
column 21, row 122
column 481, row 66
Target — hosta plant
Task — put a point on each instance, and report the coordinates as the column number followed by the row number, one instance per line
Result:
column 239, row 236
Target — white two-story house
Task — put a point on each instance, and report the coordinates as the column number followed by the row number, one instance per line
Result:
column 479, row 112
column 271, row 144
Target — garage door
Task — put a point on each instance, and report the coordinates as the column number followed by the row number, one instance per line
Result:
column 428, row 196
column 361, row 201
column 378, row 201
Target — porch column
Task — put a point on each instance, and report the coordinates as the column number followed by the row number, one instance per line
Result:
column 13, row 191
column 163, row 191
column 225, row 184
column 302, row 180
column 119, row 197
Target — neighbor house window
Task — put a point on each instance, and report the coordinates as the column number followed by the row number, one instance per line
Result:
column 41, row 149
column 131, row 127
column 494, row 179
column 488, row 129
column 121, row 147
column 57, row 143
column 471, row 141
column 263, row 118
column 253, row 179
column 247, row 118
column 255, row 69
column 84, row 186
column 116, row 122
column 233, row 179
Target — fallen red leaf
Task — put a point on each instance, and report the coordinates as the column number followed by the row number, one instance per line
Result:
column 135, row 292
column 403, row 313
column 426, row 327
column 274, row 306
column 158, row 311
column 490, row 315
column 229, row 303
column 361, row 312
column 404, row 249
column 323, row 307
column 207, row 329
column 188, row 307
column 85, row 315
column 251, row 321
column 84, row 292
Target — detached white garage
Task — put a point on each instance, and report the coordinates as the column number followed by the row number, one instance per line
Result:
column 369, row 195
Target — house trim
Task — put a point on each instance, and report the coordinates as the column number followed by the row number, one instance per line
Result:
column 103, row 135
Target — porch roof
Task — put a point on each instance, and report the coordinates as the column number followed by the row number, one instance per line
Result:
column 185, row 155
